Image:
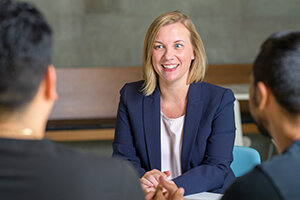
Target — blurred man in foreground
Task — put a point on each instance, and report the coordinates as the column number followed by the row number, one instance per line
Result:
column 30, row 166
column 275, row 106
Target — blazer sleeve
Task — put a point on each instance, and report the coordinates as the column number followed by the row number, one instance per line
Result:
column 123, row 145
column 211, row 173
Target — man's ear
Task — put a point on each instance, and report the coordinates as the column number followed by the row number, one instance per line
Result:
column 262, row 95
column 50, row 83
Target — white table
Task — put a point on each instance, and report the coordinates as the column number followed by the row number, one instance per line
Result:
column 241, row 92
column 204, row 196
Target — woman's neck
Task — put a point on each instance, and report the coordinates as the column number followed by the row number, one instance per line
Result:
column 174, row 93
column 173, row 100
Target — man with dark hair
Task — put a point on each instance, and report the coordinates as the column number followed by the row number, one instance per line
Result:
column 275, row 106
column 30, row 166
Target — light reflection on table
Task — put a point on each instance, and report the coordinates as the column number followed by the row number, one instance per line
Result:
column 204, row 196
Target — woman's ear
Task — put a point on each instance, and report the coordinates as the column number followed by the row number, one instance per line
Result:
column 50, row 83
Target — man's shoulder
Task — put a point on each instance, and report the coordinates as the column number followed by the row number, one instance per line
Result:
column 286, row 165
column 55, row 171
column 253, row 185
column 283, row 171
column 100, row 176
column 82, row 158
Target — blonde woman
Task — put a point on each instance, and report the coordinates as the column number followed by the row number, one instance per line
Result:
column 173, row 124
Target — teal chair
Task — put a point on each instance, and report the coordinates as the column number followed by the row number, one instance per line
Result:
column 244, row 160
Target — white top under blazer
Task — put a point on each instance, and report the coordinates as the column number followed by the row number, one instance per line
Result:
column 171, row 142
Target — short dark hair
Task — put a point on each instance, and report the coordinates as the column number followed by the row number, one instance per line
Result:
column 25, row 52
column 278, row 66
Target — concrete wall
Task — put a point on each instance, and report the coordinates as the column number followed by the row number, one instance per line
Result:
column 111, row 32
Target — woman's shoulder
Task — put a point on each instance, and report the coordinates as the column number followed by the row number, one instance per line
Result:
column 135, row 83
column 135, row 87
column 213, row 89
column 211, row 94
column 132, row 92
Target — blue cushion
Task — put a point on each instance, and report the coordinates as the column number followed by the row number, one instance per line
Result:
column 244, row 160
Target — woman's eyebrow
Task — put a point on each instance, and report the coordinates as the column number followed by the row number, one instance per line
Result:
column 180, row 41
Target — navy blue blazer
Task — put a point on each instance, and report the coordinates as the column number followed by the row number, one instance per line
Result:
column 208, row 135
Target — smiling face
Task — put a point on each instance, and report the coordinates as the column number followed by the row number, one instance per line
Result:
column 173, row 54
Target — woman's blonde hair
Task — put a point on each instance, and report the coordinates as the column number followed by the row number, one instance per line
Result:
column 198, row 66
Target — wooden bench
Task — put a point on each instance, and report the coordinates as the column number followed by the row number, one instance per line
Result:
column 88, row 98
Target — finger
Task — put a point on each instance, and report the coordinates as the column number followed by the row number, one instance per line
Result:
column 146, row 182
column 179, row 194
column 169, row 185
column 153, row 180
column 159, row 193
column 149, row 189
column 159, row 196
column 149, row 195
column 144, row 187
column 167, row 173
column 165, row 190
column 181, row 190
column 155, row 173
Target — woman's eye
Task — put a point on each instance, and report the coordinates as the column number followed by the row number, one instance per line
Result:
column 158, row 47
column 178, row 45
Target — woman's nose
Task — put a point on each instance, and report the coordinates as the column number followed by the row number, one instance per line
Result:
column 169, row 53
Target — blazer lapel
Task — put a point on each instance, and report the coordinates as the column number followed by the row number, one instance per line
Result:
column 191, row 125
column 152, row 128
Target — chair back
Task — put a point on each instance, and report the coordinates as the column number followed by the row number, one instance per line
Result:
column 244, row 160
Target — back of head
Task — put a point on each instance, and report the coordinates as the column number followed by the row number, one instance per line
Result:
column 278, row 66
column 25, row 53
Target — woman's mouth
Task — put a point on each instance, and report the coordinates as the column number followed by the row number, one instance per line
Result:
column 170, row 66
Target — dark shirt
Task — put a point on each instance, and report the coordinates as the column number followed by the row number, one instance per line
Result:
column 41, row 169
column 278, row 178
column 252, row 186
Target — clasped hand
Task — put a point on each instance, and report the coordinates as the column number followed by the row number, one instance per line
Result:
column 157, row 187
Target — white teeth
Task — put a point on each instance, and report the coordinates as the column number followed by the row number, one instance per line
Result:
column 169, row 66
